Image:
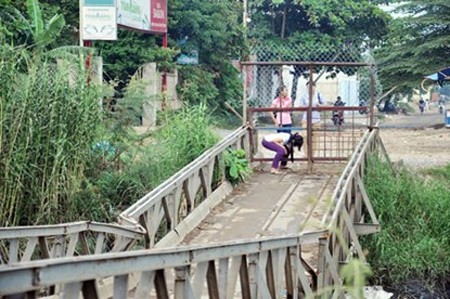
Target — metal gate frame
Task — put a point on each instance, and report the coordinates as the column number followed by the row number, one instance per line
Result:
column 248, row 111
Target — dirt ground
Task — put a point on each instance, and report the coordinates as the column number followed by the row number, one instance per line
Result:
column 416, row 140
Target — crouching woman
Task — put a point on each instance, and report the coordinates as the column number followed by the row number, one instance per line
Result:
column 282, row 144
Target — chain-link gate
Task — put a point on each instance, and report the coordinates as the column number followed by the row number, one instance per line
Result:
column 313, row 79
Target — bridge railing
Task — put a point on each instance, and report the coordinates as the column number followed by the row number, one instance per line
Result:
column 266, row 268
column 350, row 215
column 27, row 243
column 169, row 211
column 159, row 212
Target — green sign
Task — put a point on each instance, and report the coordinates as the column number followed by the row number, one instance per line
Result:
column 99, row 2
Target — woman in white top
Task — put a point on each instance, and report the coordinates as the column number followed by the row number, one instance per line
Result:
column 317, row 100
column 279, row 143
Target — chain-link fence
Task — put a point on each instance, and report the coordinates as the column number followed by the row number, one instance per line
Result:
column 331, row 90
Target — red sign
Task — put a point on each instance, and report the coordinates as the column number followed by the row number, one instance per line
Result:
column 158, row 16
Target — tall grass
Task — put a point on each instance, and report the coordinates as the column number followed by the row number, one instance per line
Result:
column 51, row 170
column 414, row 213
column 49, row 118
column 181, row 137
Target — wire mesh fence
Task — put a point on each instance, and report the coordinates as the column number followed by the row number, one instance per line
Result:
column 328, row 89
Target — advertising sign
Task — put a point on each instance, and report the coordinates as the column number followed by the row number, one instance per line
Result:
column 144, row 15
column 98, row 20
column 158, row 19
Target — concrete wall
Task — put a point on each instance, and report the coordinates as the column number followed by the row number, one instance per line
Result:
column 153, row 80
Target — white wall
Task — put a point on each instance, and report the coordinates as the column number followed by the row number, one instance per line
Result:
column 342, row 85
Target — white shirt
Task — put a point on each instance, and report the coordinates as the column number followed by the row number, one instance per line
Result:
column 272, row 137
column 317, row 99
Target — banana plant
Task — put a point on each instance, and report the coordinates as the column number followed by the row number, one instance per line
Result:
column 43, row 34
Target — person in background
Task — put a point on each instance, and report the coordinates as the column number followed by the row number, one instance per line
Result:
column 317, row 100
column 422, row 105
column 282, row 119
column 338, row 115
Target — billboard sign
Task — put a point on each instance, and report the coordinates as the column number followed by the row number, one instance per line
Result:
column 145, row 15
column 98, row 20
column 158, row 16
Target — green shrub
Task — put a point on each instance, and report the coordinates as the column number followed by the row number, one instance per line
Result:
column 182, row 137
column 197, row 86
column 237, row 166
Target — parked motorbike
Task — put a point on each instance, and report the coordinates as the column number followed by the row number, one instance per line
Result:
column 441, row 108
column 338, row 115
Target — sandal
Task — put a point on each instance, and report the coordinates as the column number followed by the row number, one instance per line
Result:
column 275, row 171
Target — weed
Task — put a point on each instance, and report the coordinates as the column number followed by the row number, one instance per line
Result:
column 236, row 165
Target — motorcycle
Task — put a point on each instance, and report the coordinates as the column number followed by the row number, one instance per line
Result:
column 338, row 115
column 363, row 103
column 441, row 108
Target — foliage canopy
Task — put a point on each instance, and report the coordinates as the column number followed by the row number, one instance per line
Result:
column 417, row 44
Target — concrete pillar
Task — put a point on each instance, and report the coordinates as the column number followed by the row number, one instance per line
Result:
column 153, row 88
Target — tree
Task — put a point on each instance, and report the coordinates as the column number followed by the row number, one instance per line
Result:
column 418, row 44
column 129, row 52
column 359, row 21
column 323, row 29
column 213, row 29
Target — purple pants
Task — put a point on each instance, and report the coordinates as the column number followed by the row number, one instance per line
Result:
column 278, row 149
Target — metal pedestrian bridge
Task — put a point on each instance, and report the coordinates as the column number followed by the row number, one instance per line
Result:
column 274, row 236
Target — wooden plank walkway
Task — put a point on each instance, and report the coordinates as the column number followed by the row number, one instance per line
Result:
column 271, row 205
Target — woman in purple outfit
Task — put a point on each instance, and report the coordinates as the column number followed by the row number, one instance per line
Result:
column 282, row 144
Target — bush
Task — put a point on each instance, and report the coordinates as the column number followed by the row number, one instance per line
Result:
column 237, row 166
column 183, row 136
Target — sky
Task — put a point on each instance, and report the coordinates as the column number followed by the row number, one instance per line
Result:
column 390, row 7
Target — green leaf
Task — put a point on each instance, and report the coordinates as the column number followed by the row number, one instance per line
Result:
column 53, row 30
column 234, row 171
column 36, row 17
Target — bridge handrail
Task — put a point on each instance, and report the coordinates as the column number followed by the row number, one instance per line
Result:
column 348, row 174
column 163, row 202
column 282, row 255
column 337, row 193
column 24, row 243
column 351, row 213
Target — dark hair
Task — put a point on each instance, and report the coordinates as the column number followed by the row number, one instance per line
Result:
column 296, row 140
column 279, row 90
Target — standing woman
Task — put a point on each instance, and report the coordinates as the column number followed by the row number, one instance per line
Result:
column 282, row 119
column 280, row 143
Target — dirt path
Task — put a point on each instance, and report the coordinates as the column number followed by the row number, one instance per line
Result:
column 418, row 140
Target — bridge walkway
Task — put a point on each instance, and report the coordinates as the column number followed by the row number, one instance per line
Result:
column 269, row 205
